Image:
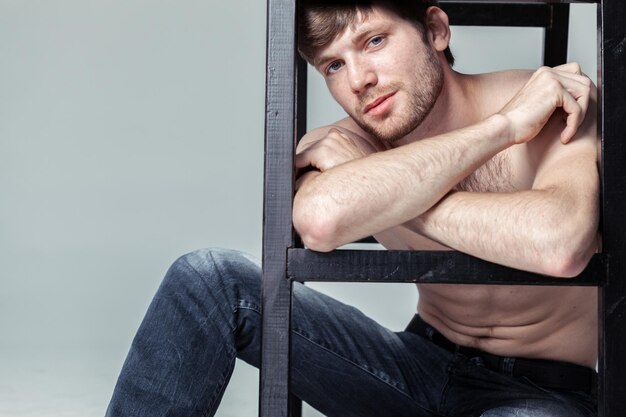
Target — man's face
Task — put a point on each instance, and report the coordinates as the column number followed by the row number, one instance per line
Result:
column 383, row 74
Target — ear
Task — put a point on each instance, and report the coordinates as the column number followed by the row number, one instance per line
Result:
column 437, row 28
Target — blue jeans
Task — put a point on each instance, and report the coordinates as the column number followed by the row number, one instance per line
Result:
column 206, row 314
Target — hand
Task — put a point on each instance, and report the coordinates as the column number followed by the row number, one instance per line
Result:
column 337, row 147
column 548, row 89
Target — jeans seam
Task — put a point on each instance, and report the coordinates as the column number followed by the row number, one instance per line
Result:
column 233, row 327
column 451, row 370
column 246, row 305
column 223, row 384
column 295, row 331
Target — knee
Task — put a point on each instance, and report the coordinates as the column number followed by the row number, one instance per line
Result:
column 213, row 260
column 212, row 269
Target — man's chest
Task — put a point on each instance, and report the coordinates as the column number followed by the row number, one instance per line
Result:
column 508, row 171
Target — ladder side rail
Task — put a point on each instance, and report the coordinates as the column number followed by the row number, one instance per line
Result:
column 274, row 398
column 612, row 295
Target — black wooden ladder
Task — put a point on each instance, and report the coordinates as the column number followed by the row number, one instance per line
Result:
column 285, row 260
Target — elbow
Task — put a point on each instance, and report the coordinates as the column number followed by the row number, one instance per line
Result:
column 317, row 236
column 570, row 260
column 571, row 244
column 565, row 266
column 316, row 228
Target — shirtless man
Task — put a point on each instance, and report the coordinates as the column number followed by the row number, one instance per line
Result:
column 502, row 166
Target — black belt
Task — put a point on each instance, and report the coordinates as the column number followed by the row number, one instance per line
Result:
column 545, row 373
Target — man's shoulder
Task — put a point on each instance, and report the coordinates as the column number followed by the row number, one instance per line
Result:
column 497, row 88
column 509, row 77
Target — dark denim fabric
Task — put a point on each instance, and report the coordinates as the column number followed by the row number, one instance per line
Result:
column 206, row 314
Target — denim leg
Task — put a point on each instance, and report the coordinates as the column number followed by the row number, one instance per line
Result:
column 535, row 408
column 206, row 313
column 474, row 390
column 345, row 364
column 184, row 351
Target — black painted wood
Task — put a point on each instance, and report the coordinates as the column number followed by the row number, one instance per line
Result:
column 498, row 14
column 280, row 128
column 301, row 104
column 494, row 2
column 555, row 43
column 422, row 267
column 612, row 302
column 553, row 17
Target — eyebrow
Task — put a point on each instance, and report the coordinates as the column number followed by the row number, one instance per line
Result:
column 320, row 63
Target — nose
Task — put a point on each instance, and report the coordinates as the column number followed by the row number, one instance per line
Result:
column 361, row 76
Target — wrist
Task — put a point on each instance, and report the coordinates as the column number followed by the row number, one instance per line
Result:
column 503, row 129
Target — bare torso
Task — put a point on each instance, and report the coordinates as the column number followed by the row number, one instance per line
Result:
column 558, row 323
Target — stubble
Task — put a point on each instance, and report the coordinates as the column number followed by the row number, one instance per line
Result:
column 423, row 91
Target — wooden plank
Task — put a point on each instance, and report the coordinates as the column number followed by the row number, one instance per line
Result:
column 278, row 191
column 553, row 17
column 612, row 343
column 498, row 14
column 422, row 266
column 555, row 44
column 519, row 1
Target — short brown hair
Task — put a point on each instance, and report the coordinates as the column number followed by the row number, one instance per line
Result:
column 320, row 21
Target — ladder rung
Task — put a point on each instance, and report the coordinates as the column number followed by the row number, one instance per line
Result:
column 422, row 267
column 512, row 14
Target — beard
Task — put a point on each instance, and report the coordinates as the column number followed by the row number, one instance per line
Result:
column 422, row 94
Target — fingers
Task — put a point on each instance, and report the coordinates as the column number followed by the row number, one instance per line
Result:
column 577, row 85
column 335, row 147
column 302, row 160
column 574, row 118
column 571, row 67
column 573, row 95
column 335, row 131
column 575, row 110
column 547, row 90
column 314, row 154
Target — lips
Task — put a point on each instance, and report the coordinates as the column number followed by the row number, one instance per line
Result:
column 374, row 104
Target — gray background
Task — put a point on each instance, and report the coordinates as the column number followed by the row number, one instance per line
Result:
column 131, row 132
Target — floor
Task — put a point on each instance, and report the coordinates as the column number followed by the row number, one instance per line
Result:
column 57, row 382
column 64, row 382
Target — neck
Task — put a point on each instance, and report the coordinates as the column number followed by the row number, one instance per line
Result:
column 456, row 107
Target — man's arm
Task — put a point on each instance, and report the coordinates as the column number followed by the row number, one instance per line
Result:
column 363, row 196
column 551, row 229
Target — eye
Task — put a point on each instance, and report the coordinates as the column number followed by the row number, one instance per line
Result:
column 333, row 67
column 377, row 40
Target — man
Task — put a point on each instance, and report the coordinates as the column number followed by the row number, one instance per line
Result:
column 501, row 166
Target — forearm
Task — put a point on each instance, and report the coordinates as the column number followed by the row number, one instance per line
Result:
column 543, row 231
column 371, row 194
